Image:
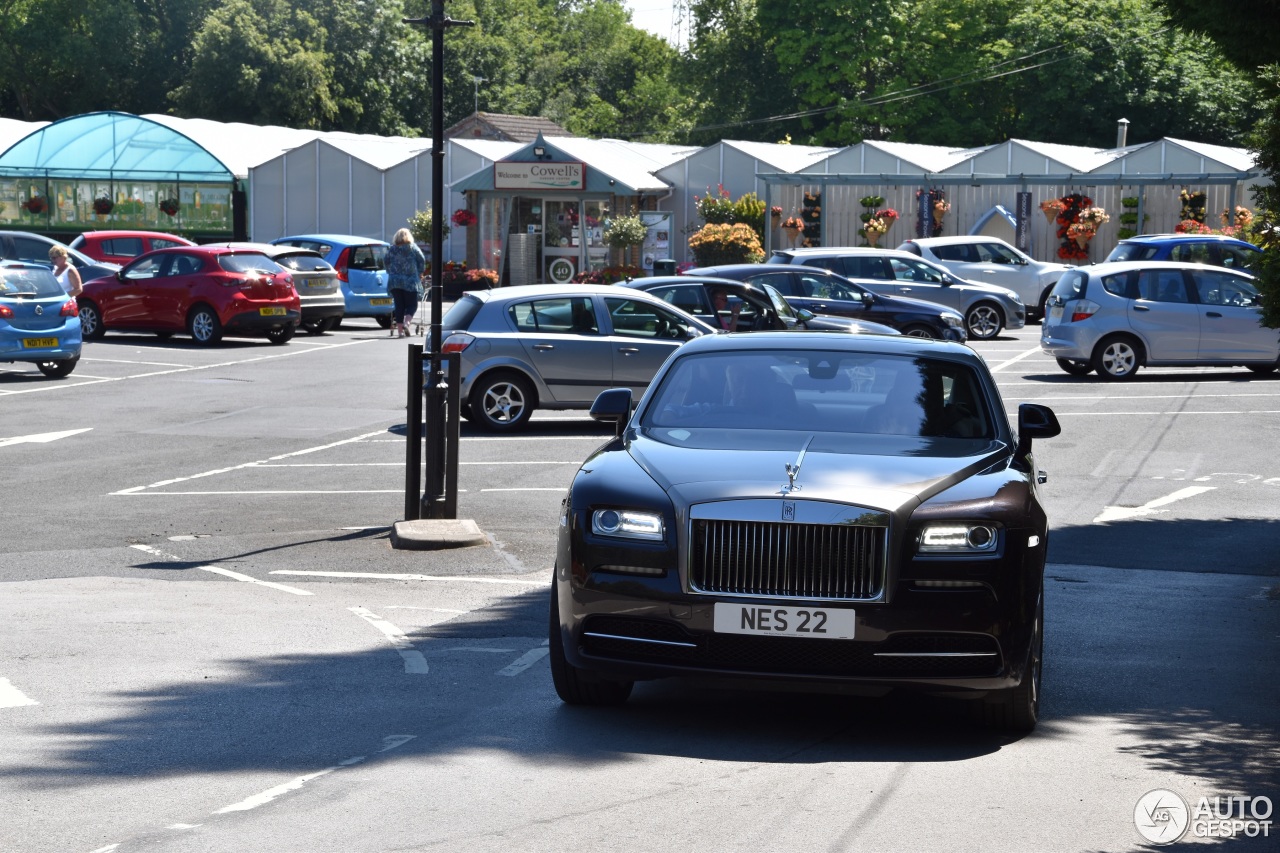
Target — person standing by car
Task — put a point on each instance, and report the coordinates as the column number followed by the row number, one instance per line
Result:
column 66, row 274
column 405, row 266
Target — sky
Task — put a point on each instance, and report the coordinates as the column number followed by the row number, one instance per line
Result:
column 652, row 15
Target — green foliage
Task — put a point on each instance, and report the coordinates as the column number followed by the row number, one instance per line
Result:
column 715, row 208
column 623, row 232
column 726, row 244
column 749, row 210
column 1265, row 230
column 420, row 225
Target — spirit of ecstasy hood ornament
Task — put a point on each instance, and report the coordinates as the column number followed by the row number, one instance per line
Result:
column 793, row 470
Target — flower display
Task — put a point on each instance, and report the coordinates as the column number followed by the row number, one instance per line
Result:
column 170, row 206
column 1075, row 244
column 608, row 275
column 1095, row 217
column 1051, row 208
column 1191, row 226
column 623, row 232
column 715, row 208
column 726, row 244
column 1242, row 218
column 103, row 205
column 463, row 218
column 482, row 277
column 36, row 204
column 775, row 212
column 932, row 207
column 1193, row 204
column 793, row 223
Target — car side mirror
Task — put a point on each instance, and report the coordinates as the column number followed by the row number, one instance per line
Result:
column 804, row 315
column 1034, row 421
column 613, row 407
column 119, row 275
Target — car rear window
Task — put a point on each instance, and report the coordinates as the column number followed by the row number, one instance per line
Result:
column 462, row 313
column 1072, row 285
column 29, row 282
column 248, row 262
column 303, row 263
column 1133, row 252
column 372, row 258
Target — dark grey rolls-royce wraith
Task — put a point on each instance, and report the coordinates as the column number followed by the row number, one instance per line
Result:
column 845, row 511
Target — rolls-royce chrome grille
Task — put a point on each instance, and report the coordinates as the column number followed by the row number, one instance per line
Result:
column 785, row 560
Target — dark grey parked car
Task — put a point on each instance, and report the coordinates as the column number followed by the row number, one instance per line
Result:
column 548, row 347
column 34, row 249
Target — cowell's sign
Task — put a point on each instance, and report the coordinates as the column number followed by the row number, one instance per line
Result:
column 540, row 176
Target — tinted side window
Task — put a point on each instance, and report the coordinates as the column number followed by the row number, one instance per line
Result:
column 780, row 280
column 1162, row 286
column 1239, row 258
column 1133, row 252
column 129, row 247
column 1117, row 284
column 864, row 267
column 35, row 251
column 567, row 315
column 996, row 254
column 687, row 297
column 959, row 252
column 1219, row 287
column 368, row 258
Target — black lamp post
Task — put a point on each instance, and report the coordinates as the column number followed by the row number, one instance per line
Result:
column 434, row 502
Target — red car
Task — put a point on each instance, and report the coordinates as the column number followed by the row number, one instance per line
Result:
column 206, row 291
column 120, row 247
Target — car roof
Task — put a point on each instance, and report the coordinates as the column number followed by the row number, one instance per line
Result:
column 271, row 250
column 336, row 239
column 201, row 250
column 813, row 340
column 523, row 290
column 955, row 238
column 1188, row 238
column 1106, row 267
column 108, row 234
column 687, row 278
column 824, row 252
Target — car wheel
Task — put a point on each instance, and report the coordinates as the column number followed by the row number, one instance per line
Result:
column 313, row 327
column 920, row 332
column 91, row 327
column 164, row 336
column 573, row 686
column 1074, row 367
column 1042, row 308
column 58, row 369
column 384, row 321
column 464, row 412
column 204, row 325
column 501, row 402
column 1018, row 708
column 334, row 323
column 1117, row 358
column 984, row 321
column 281, row 336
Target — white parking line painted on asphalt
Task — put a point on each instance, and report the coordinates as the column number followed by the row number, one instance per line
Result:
column 414, row 662
column 389, row 742
column 106, row 849
column 42, row 437
column 218, row 570
column 1118, row 513
column 130, row 361
column 404, row 577
column 1178, row 412
column 525, row 661
column 1012, row 361
column 132, row 494
column 531, row 489
column 12, row 697
column 136, row 489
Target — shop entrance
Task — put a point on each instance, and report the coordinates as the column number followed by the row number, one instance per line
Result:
column 558, row 237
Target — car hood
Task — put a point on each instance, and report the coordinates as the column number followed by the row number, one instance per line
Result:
column 890, row 473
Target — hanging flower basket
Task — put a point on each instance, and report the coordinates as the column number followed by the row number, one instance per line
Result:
column 35, row 205
column 170, row 206
column 103, row 205
column 463, row 218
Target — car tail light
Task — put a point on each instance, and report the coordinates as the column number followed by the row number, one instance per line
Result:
column 1083, row 310
column 6, row 312
column 457, row 342
column 341, row 264
column 70, row 309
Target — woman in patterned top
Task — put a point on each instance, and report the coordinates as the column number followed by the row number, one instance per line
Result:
column 405, row 265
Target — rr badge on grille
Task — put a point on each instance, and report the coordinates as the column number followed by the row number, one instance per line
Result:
column 788, row 510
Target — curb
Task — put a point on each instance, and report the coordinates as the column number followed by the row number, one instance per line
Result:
column 435, row 534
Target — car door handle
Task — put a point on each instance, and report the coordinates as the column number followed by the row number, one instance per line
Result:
column 628, row 350
column 544, row 346
column 902, row 289
column 1212, row 314
column 1141, row 308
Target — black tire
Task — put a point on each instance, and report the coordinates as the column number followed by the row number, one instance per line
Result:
column 1074, row 367
column 1042, row 308
column 1263, row 369
column 58, row 369
column 204, row 325
column 281, row 336
column 384, row 321
column 336, row 323
column 164, row 336
column 573, row 686
column 464, row 411
column 1018, row 708
column 91, row 328
column 501, row 402
column 918, row 331
column 319, row 327
column 1117, row 357
column 984, row 321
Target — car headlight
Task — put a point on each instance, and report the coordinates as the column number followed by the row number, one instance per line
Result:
column 955, row 321
column 1013, row 296
column 628, row 524
column 958, row 539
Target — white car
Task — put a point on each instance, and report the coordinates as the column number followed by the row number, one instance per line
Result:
column 992, row 261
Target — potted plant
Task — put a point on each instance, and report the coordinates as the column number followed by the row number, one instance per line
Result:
column 169, row 206
column 793, row 226
column 623, row 232
column 420, row 226
column 35, row 205
column 726, row 244
column 102, row 205
column 463, row 218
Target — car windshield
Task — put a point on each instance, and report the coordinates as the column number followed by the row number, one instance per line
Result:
column 462, row 313
column 1132, row 252
column 827, row 391
column 26, row 283
column 248, row 262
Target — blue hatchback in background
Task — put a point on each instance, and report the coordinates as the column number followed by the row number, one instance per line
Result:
column 361, row 263
column 1216, row 250
column 39, row 322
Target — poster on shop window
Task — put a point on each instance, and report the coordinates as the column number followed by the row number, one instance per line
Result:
column 657, row 240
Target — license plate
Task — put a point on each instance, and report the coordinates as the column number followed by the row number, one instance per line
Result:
column 39, row 343
column 823, row 623
column 379, row 301
column 272, row 312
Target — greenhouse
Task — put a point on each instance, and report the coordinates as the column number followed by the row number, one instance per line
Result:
column 111, row 169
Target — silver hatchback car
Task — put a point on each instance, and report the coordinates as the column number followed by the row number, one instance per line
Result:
column 549, row 347
column 1116, row 317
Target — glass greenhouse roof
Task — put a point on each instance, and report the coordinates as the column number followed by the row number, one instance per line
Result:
column 112, row 145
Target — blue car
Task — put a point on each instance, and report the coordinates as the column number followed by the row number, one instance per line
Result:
column 361, row 263
column 39, row 322
column 1214, row 249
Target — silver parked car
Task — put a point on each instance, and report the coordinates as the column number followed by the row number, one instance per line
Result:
column 1116, row 317
column 993, row 261
column 988, row 309
column 548, row 347
column 314, row 278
